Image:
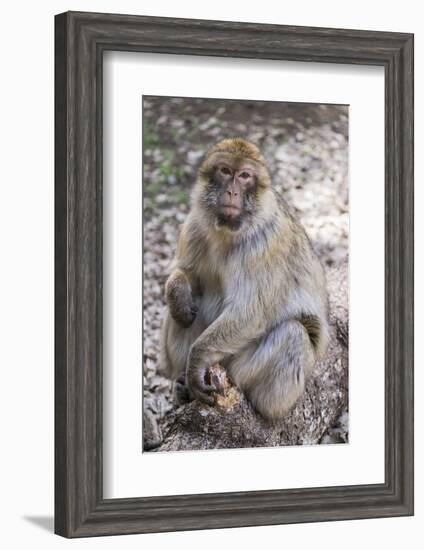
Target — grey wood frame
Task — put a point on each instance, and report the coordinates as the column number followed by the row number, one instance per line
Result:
column 80, row 40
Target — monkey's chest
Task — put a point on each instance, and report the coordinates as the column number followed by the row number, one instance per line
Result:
column 212, row 296
column 211, row 271
column 210, row 306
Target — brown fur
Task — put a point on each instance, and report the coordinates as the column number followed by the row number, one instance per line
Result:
column 250, row 296
column 239, row 149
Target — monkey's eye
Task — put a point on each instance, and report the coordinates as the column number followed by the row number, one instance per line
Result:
column 244, row 175
column 226, row 171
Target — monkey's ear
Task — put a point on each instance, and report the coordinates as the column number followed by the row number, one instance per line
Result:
column 263, row 178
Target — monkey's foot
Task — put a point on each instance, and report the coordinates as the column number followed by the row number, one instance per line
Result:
column 181, row 393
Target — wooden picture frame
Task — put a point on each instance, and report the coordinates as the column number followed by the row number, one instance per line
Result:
column 80, row 40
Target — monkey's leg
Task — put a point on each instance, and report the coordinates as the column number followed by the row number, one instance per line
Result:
column 175, row 345
column 272, row 371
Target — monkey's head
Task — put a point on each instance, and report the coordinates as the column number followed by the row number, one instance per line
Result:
column 231, row 181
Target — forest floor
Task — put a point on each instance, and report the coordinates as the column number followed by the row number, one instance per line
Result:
column 306, row 147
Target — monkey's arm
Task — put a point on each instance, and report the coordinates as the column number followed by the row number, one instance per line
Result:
column 229, row 333
column 179, row 291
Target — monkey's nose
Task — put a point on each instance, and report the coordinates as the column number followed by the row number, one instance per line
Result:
column 231, row 193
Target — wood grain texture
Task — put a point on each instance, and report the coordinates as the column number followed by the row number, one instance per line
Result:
column 81, row 38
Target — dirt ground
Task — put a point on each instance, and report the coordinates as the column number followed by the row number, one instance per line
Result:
column 306, row 147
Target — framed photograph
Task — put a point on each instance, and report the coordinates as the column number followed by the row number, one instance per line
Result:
column 233, row 274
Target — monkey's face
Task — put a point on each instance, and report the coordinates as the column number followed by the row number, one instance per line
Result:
column 231, row 192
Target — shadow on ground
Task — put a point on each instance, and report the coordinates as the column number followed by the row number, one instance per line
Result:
column 46, row 523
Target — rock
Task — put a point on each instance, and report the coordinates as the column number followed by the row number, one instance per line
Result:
column 193, row 157
column 152, row 435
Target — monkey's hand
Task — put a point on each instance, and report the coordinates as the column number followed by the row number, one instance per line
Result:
column 180, row 300
column 183, row 313
column 202, row 382
column 198, row 385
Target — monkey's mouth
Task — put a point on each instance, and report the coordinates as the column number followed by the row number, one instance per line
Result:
column 230, row 217
column 229, row 211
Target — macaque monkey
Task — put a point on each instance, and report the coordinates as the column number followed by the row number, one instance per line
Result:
column 246, row 288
